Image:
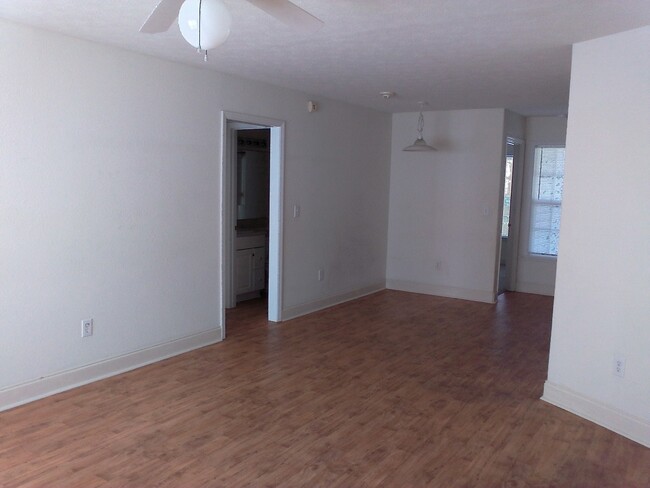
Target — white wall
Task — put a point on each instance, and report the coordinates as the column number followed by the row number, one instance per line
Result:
column 602, row 294
column 514, row 125
column 445, row 206
column 342, row 189
column 536, row 274
column 109, row 195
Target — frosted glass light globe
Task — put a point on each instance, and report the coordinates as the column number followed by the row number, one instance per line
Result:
column 215, row 23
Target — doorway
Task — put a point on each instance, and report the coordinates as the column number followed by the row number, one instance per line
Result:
column 250, row 268
column 251, row 257
column 509, row 224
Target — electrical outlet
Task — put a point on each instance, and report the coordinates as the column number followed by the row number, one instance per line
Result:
column 321, row 274
column 619, row 366
column 86, row 328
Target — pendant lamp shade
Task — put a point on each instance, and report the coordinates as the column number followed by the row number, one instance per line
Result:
column 205, row 24
column 420, row 144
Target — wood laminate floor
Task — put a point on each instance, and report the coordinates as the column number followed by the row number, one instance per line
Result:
column 394, row 389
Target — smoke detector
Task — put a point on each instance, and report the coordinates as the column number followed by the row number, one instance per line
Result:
column 387, row 95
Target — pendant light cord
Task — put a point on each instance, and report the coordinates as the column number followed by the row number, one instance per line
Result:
column 420, row 144
column 420, row 125
column 205, row 51
column 200, row 2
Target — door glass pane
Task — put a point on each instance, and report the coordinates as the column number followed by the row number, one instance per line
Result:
column 507, row 195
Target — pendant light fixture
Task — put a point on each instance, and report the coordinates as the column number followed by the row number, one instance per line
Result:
column 420, row 144
column 205, row 24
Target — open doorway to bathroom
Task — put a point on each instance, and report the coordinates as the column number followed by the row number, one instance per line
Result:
column 251, row 270
column 252, row 162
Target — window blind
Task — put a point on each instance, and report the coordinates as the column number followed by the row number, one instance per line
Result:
column 546, row 209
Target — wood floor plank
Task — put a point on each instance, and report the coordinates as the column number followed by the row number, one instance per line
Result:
column 394, row 389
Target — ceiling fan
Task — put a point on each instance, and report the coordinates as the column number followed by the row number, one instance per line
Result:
column 205, row 24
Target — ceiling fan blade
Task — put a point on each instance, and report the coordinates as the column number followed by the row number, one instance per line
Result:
column 289, row 14
column 162, row 17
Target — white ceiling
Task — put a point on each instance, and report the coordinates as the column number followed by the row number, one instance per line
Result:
column 455, row 54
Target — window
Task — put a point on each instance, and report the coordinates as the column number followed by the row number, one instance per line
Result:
column 546, row 208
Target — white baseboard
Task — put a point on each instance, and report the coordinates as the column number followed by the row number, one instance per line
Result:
column 315, row 306
column 49, row 385
column 441, row 291
column 535, row 288
column 611, row 418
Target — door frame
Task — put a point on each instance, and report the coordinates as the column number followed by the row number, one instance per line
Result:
column 230, row 123
column 515, row 213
